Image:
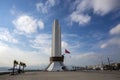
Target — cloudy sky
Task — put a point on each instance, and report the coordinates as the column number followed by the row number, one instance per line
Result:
column 90, row 31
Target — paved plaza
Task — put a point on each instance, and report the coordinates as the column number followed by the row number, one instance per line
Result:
column 78, row 75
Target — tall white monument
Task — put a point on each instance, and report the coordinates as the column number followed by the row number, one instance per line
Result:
column 56, row 59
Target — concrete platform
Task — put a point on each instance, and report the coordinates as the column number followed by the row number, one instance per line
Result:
column 64, row 76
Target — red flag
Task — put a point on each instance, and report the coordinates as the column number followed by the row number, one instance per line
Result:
column 66, row 51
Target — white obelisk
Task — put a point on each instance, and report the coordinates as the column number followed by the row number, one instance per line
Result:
column 56, row 59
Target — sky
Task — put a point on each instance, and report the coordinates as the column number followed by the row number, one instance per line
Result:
column 90, row 31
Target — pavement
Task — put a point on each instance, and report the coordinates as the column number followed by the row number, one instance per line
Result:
column 77, row 75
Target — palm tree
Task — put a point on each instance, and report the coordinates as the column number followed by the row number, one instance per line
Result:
column 24, row 65
column 15, row 63
column 20, row 64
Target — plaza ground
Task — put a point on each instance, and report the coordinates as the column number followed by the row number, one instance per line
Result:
column 71, row 75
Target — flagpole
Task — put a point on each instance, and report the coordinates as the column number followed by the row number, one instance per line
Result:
column 64, row 58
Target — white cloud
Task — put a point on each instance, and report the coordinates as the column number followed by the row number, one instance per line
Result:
column 80, row 13
column 70, row 35
column 111, row 42
column 68, row 43
column 115, row 30
column 103, row 7
column 82, row 6
column 80, row 18
column 41, row 8
column 99, row 7
column 31, row 58
column 83, row 59
column 40, row 24
column 27, row 24
column 42, row 42
column 103, row 45
column 44, row 7
column 50, row 2
column 64, row 45
column 5, row 35
column 115, row 40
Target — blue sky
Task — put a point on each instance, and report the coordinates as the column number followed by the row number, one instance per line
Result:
column 90, row 31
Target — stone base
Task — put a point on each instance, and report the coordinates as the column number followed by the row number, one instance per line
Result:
column 59, row 59
column 56, row 64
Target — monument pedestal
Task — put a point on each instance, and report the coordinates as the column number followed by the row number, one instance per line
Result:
column 56, row 64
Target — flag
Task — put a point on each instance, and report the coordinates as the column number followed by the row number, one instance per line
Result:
column 66, row 51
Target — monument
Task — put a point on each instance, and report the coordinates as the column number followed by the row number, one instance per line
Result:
column 56, row 59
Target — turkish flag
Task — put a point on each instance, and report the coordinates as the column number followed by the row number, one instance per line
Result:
column 66, row 51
